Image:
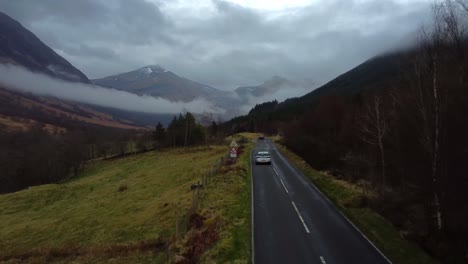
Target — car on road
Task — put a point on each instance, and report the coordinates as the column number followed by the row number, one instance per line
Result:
column 261, row 136
column 263, row 157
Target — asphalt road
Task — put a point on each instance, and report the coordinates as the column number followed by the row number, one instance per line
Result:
column 294, row 223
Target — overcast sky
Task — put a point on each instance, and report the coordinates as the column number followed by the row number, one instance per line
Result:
column 224, row 44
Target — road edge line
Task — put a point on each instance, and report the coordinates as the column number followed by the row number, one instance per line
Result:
column 252, row 206
column 333, row 206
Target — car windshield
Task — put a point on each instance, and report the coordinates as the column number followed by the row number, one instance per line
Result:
column 263, row 154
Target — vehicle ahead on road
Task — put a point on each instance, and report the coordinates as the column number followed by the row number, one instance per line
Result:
column 263, row 157
column 261, row 136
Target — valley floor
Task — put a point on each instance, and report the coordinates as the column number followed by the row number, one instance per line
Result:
column 131, row 210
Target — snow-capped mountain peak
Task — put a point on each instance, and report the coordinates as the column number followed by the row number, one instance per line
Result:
column 152, row 69
column 148, row 70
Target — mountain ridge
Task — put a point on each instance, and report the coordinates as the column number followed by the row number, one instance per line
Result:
column 154, row 80
column 21, row 47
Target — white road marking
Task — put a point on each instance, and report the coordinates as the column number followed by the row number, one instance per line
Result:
column 300, row 217
column 284, row 186
column 275, row 171
column 323, row 260
column 332, row 204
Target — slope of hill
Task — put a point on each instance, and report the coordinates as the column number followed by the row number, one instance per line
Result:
column 126, row 210
column 376, row 73
column 20, row 46
column 20, row 111
column 158, row 82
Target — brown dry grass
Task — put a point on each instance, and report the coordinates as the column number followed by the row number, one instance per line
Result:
column 94, row 252
column 16, row 124
column 199, row 242
column 63, row 109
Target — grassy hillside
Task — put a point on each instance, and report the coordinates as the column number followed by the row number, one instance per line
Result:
column 125, row 211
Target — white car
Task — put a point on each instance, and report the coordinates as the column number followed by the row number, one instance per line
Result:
column 263, row 157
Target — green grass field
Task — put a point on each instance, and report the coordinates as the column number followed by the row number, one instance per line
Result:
column 381, row 232
column 122, row 211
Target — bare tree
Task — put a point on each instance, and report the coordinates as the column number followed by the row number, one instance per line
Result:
column 446, row 34
column 454, row 32
column 373, row 129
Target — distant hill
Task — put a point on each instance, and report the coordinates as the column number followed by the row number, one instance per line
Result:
column 156, row 81
column 20, row 46
column 376, row 73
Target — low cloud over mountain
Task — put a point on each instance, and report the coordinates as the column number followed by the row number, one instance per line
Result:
column 19, row 78
column 223, row 44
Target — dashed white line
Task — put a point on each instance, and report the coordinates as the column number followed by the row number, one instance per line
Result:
column 333, row 205
column 300, row 217
column 275, row 171
column 323, row 260
column 284, row 186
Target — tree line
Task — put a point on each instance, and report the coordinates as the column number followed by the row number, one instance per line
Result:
column 35, row 157
column 184, row 131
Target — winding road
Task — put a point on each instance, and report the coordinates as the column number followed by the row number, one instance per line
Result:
column 294, row 223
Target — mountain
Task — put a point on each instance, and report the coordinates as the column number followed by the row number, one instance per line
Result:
column 156, row 81
column 20, row 46
column 20, row 111
column 379, row 72
column 376, row 73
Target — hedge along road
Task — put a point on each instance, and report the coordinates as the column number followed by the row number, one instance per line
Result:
column 294, row 223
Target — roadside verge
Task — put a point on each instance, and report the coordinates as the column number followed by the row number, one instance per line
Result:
column 346, row 198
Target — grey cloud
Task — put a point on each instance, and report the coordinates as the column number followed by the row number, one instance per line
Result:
column 89, row 51
column 282, row 94
column 23, row 80
column 71, row 12
column 226, row 46
column 125, row 21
